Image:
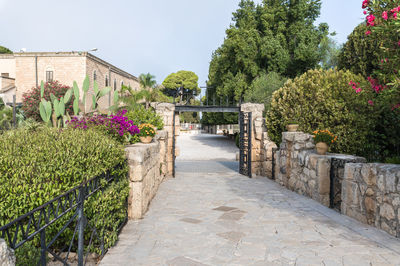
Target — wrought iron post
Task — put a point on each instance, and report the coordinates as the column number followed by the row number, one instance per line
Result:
column 250, row 147
column 43, row 248
column 173, row 145
column 81, row 224
column 14, row 111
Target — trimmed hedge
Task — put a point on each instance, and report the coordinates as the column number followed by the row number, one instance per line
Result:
column 38, row 164
column 323, row 99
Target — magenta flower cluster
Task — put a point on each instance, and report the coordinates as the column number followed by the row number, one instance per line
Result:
column 117, row 124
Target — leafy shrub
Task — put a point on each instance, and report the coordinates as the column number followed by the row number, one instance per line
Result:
column 40, row 163
column 140, row 115
column 360, row 54
column 324, row 99
column 31, row 99
column 117, row 126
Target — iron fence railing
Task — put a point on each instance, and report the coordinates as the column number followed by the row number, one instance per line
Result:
column 34, row 223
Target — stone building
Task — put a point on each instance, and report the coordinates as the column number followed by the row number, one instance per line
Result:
column 26, row 70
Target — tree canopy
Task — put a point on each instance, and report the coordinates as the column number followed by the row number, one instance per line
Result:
column 360, row 53
column 4, row 50
column 187, row 81
column 276, row 35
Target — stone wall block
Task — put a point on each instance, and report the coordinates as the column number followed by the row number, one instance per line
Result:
column 7, row 257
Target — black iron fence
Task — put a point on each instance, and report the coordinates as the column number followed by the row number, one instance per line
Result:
column 68, row 205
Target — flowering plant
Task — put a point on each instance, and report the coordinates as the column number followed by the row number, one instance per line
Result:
column 117, row 126
column 31, row 99
column 324, row 136
column 147, row 130
column 383, row 21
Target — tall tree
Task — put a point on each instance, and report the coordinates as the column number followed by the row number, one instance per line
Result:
column 274, row 36
column 147, row 83
column 184, row 81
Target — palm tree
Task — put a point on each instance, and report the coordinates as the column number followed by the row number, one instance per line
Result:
column 147, row 82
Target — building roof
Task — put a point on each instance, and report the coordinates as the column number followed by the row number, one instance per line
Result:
column 71, row 54
column 7, row 88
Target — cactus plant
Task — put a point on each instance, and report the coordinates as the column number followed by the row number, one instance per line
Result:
column 56, row 108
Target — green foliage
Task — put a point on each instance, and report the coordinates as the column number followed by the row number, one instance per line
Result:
column 147, row 81
column 329, row 51
column 237, row 140
column 393, row 160
column 262, row 87
column 274, row 36
column 140, row 115
column 360, row 54
column 4, row 50
column 189, row 117
column 219, row 118
column 40, row 163
column 187, row 80
column 323, row 99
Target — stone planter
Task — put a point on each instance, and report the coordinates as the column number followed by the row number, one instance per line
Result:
column 146, row 140
column 322, row 148
column 292, row 127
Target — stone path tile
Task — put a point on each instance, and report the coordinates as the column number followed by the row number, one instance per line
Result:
column 227, row 219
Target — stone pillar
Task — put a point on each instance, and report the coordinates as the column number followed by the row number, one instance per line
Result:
column 167, row 112
column 7, row 257
column 258, row 128
column 147, row 168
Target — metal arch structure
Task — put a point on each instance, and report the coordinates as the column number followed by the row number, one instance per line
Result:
column 245, row 124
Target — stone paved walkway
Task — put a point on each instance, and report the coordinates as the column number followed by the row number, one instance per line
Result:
column 210, row 215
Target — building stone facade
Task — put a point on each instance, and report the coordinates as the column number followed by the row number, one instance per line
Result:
column 29, row 69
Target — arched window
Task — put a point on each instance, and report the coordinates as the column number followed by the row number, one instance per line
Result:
column 115, row 84
column 94, row 75
column 122, row 84
column 106, row 81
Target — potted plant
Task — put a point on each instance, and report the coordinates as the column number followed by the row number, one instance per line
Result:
column 147, row 132
column 292, row 126
column 323, row 138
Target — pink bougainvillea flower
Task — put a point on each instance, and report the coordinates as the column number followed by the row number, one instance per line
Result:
column 385, row 15
column 370, row 102
column 368, row 32
column 371, row 20
column 358, row 90
column 398, row 43
column 365, row 12
column 365, row 4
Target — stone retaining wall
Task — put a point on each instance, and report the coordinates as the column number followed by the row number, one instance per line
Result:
column 147, row 169
column 300, row 169
column 7, row 257
column 371, row 194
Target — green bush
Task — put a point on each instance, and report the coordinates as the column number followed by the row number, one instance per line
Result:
column 323, row 99
column 39, row 163
column 140, row 115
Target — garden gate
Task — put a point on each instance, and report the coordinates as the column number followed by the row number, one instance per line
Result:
column 245, row 121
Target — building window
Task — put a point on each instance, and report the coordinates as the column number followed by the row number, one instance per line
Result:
column 49, row 76
column 94, row 75
column 115, row 84
column 106, row 81
column 122, row 84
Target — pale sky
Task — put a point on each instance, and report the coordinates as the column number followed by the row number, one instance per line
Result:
column 156, row 36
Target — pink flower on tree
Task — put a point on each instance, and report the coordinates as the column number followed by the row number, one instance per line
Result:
column 385, row 15
column 365, row 4
column 370, row 102
column 368, row 32
column 371, row 20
